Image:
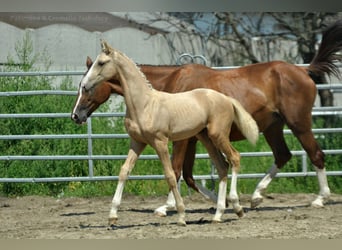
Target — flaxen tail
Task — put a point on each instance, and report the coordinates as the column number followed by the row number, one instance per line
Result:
column 245, row 122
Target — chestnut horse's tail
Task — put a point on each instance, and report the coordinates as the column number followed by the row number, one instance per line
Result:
column 331, row 43
column 245, row 122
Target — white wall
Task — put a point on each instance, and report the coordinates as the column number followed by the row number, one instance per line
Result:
column 69, row 45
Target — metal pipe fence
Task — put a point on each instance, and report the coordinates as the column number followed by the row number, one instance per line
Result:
column 89, row 136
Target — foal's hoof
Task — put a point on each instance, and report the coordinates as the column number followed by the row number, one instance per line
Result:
column 112, row 221
column 159, row 214
column 216, row 221
column 256, row 202
column 181, row 223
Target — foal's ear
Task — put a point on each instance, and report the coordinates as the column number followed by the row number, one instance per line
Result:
column 105, row 47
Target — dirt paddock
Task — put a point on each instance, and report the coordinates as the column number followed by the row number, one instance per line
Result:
column 281, row 216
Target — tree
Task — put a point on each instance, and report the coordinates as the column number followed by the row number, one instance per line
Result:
column 308, row 26
column 238, row 32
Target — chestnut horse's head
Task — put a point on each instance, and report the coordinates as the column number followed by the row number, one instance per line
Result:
column 88, row 100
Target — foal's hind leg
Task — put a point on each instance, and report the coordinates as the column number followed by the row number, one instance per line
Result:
column 233, row 157
column 183, row 157
column 221, row 141
column 222, row 169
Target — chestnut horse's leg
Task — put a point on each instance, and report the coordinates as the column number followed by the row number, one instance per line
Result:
column 299, row 120
column 133, row 154
column 275, row 138
column 317, row 158
column 188, row 165
column 189, row 160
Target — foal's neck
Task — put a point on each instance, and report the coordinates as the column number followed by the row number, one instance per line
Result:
column 136, row 88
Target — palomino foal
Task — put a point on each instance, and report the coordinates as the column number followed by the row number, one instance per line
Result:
column 155, row 118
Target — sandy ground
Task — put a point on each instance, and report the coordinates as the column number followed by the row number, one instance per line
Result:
column 280, row 217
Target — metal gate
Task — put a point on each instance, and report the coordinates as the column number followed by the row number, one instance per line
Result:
column 89, row 136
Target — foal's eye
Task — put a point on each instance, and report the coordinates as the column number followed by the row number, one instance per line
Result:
column 101, row 63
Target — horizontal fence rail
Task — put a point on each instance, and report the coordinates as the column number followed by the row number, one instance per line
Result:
column 317, row 111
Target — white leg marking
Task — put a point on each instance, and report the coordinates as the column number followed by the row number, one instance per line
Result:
column 262, row 185
column 170, row 205
column 133, row 154
column 233, row 196
column 324, row 190
column 221, row 200
column 116, row 200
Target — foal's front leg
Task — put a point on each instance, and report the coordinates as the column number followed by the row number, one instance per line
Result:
column 179, row 151
column 163, row 152
column 135, row 150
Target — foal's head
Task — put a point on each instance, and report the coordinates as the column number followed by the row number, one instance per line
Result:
column 104, row 68
column 88, row 100
column 94, row 88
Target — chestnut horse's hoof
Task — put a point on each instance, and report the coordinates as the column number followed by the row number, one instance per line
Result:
column 256, row 202
column 317, row 203
column 240, row 213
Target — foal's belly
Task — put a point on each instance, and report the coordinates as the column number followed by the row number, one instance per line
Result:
column 185, row 134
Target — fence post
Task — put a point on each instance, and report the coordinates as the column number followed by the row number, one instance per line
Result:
column 90, row 149
column 304, row 163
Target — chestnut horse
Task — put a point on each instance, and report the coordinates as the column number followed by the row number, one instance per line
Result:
column 274, row 93
column 155, row 117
